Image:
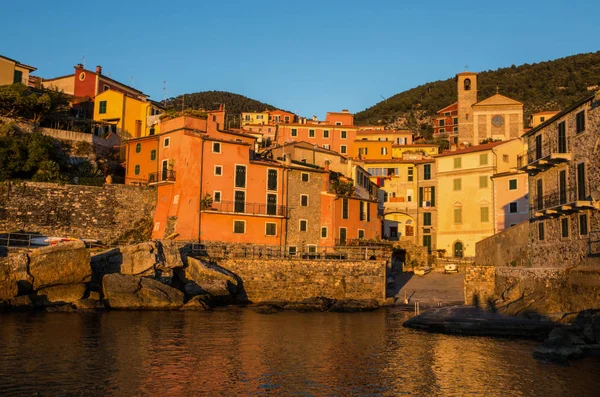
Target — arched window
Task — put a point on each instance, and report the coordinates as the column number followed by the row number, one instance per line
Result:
column 467, row 84
column 138, row 148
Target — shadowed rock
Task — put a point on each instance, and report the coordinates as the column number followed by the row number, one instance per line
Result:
column 132, row 292
column 207, row 278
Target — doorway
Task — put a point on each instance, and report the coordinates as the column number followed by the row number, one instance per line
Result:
column 458, row 249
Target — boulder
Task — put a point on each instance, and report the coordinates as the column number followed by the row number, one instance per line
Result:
column 219, row 283
column 105, row 262
column 132, row 292
column 87, row 304
column 65, row 263
column 267, row 308
column 139, row 259
column 14, row 278
column 59, row 294
column 352, row 305
column 171, row 254
column 318, row 304
column 560, row 346
column 198, row 303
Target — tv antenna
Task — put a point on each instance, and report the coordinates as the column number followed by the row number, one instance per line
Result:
column 83, row 61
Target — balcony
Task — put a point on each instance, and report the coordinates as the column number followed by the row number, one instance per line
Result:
column 559, row 202
column 544, row 155
column 242, row 207
column 161, row 177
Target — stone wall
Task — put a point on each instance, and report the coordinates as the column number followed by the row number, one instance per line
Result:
column 110, row 213
column 479, row 284
column 295, row 280
column 511, row 247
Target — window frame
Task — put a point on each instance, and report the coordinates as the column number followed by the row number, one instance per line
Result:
column 302, row 197
column 564, row 227
column 585, row 232
column 302, row 174
column 217, row 146
column 239, row 221
column 219, row 167
column 215, row 196
column 167, row 142
column 235, row 184
column 102, row 107
column 510, row 207
column 305, row 222
column 267, row 230
column 516, row 181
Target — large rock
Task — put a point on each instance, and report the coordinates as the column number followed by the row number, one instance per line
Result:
column 132, row 292
column 105, row 262
column 560, row 346
column 139, row 259
column 14, row 278
column 198, row 303
column 65, row 263
column 352, row 305
column 60, row 294
column 171, row 254
column 208, row 278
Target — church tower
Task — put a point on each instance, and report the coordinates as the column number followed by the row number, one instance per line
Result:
column 467, row 97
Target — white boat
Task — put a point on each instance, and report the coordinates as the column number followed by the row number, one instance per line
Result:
column 421, row 271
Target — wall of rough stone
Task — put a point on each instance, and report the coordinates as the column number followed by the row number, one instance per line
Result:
column 112, row 213
column 479, row 284
column 511, row 247
column 295, row 280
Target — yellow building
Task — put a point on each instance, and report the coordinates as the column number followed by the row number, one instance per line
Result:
column 371, row 150
column 134, row 117
column 398, row 151
column 538, row 118
column 12, row 71
column 397, row 137
column 255, row 117
column 466, row 193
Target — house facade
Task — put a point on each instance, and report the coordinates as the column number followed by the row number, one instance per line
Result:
column 12, row 71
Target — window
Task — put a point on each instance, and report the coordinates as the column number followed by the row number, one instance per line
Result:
column 18, row 76
column 239, row 205
column 326, row 146
column 442, row 123
column 153, row 155
column 410, row 174
column 483, row 181
column 338, row 123
column 427, row 243
column 138, row 147
column 583, row 225
column 541, row 231
column 271, row 204
column 292, row 251
column 270, row 229
column 581, row 181
column 383, row 150
column 343, row 134
column 271, row 179
column 483, row 159
column 325, row 133
column 218, row 170
column 542, row 119
column 152, row 130
column 427, row 196
column 442, row 130
column 344, row 208
column 323, row 232
column 457, row 184
column 137, row 169
column 216, row 147
column 106, row 87
column 361, row 234
column 311, row 133
column 564, row 227
column 303, row 225
column 343, row 232
column 426, row 218
column 343, row 149
column 294, row 133
column 512, row 184
column 362, row 214
column 102, row 109
column 240, row 176
column 304, row 177
column 239, row 227
column 216, row 197
column 455, row 120
column 167, row 142
column 458, row 216
column 457, row 162
column 304, row 200
column 427, row 172
column 286, row 119
column 368, row 212
column 467, row 84
column 484, row 213
column 455, row 129
column 393, row 231
column 513, row 208
column 580, row 122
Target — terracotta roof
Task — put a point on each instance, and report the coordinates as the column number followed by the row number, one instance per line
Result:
column 371, row 131
column 477, row 148
column 449, row 106
column 417, row 145
column 17, row 63
column 397, row 161
column 308, row 145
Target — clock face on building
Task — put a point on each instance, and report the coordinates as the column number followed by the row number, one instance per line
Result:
column 498, row 121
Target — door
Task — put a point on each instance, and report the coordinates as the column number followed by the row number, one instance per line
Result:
column 562, row 187
column 562, row 138
column 240, row 201
column 271, row 204
column 342, row 236
column 458, row 249
column 165, row 166
column 427, row 242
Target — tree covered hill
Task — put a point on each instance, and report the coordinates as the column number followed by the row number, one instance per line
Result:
column 210, row 100
column 551, row 85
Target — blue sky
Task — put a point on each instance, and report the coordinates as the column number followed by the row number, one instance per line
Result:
column 307, row 56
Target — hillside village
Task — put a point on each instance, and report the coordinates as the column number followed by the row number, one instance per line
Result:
column 303, row 186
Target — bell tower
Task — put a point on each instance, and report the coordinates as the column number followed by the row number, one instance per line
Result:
column 467, row 97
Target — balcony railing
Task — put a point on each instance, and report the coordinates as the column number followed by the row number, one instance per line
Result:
column 560, row 201
column 545, row 155
column 161, row 176
column 242, row 207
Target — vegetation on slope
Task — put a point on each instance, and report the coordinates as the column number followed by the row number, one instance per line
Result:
column 551, row 85
column 210, row 100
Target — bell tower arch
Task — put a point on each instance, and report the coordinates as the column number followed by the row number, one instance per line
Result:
column 467, row 97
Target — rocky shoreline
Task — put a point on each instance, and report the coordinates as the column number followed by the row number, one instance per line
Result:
column 155, row 275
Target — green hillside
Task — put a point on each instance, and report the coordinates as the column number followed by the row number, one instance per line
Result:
column 551, row 85
column 209, row 100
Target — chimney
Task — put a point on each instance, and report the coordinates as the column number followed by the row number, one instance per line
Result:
column 99, row 69
column 314, row 118
column 326, row 165
column 220, row 107
column 344, row 110
column 79, row 66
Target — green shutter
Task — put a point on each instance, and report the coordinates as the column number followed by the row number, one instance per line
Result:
column 420, row 197
column 433, row 196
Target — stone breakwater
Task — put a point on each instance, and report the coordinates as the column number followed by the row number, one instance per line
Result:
column 162, row 275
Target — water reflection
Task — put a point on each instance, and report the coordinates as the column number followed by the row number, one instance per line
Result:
column 239, row 352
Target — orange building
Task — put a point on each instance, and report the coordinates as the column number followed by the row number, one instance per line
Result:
column 446, row 123
column 281, row 116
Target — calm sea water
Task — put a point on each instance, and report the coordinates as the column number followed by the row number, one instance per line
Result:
column 240, row 353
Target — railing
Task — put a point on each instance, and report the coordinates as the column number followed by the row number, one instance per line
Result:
column 538, row 152
column 162, row 176
column 555, row 198
column 243, row 207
